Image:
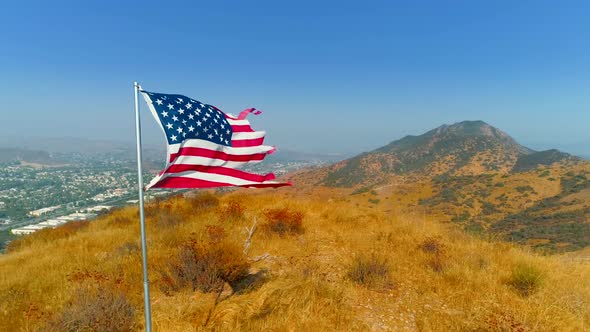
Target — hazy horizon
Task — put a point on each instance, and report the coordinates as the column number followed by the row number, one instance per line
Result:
column 343, row 78
column 156, row 141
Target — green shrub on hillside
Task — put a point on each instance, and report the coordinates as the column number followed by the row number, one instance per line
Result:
column 526, row 279
column 524, row 189
column 374, row 200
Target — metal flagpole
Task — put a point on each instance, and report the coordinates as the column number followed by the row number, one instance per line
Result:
column 146, row 285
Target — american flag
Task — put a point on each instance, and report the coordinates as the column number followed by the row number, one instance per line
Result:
column 206, row 147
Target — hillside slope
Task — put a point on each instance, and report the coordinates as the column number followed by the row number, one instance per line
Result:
column 401, row 271
column 475, row 176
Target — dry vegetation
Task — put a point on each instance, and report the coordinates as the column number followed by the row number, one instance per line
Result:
column 315, row 264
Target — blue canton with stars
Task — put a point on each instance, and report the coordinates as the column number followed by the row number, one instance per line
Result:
column 185, row 118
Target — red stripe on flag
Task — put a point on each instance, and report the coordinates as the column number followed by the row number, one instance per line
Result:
column 221, row 171
column 243, row 143
column 182, row 182
column 200, row 152
column 242, row 129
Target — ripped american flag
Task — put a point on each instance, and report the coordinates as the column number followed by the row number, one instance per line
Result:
column 206, row 147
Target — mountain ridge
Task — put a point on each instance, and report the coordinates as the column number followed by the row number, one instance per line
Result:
column 474, row 176
column 467, row 147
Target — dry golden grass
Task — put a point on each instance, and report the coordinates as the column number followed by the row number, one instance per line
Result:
column 438, row 278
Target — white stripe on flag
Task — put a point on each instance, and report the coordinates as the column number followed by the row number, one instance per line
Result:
column 247, row 135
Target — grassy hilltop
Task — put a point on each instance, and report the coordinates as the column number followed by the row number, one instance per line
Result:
column 318, row 261
column 406, row 237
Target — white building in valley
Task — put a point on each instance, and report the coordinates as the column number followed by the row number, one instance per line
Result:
column 40, row 212
column 26, row 229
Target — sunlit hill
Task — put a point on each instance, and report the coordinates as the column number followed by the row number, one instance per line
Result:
column 459, row 229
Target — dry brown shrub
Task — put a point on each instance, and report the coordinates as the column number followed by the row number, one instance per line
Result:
column 205, row 266
column 233, row 211
column 283, row 222
column 98, row 304
column 167, row 213
column 177, row 209
column 503, row 321
column 215, row 233
column 15, row 302
column 203, row 201
column 433, row 245
column 436, row 248
column 153, row 208
column 168, row 219
column 127, row 248
column 95, row 309
column 370, row 270
column 437, row 264
column 95, row 279
column 120, row 220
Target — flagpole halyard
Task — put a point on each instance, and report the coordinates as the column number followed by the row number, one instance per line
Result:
column 146, row 286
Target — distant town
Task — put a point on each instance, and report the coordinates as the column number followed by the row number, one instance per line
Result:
column 36, row 196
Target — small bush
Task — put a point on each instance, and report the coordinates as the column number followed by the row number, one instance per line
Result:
column 153, row 208
column 99, row 309
column 433, row 246
column 233, row 211
column 283, row 222
column 503, row 321
column 117, row 220
column 205, row 266
column 168, row 219
column 545, row 174
column 215, row 233
column 127, row 249
column 361, row 191
column 526, row 279
column 14, row 301
column 369, row 270
column 204, row 201
column 465, row 216
column 437, row 263
column 524, row 189
column 374, row 200
column 436, row 248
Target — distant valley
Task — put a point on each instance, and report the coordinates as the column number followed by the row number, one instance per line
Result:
column 68, row 179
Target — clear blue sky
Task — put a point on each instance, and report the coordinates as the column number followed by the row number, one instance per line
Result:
column 332, row 76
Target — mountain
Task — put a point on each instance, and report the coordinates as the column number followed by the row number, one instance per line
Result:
column 535, row 159
column 465, row 148
column 474, row 176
